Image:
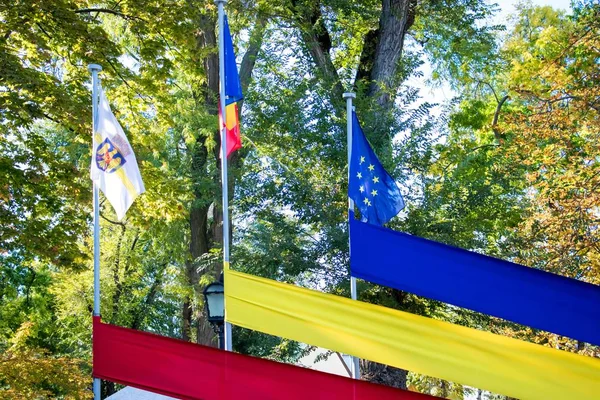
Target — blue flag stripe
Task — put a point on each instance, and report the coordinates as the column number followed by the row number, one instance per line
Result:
column 233, row 87
column 485, row 284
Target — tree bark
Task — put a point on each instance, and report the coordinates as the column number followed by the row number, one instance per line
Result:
column 317, row 41
column 397, row 16
column 381, row 52
column 383, row 374
column 254, row 45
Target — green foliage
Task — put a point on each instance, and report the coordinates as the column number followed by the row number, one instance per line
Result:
column 513, row 177
column 556, row 129
column 33, row 373
column 459, row 45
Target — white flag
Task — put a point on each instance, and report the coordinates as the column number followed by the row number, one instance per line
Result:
column 114, row 167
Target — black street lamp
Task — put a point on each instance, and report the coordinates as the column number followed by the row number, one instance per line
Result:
column 214, row 300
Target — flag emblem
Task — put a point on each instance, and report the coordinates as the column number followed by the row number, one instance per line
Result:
column 114, row 166
column 108, row 157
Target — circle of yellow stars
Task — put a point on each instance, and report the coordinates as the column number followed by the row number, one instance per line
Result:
column 375, row 180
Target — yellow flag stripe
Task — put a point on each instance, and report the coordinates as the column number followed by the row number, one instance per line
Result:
column 231, row 116
column 126, row 182
column 455, row 353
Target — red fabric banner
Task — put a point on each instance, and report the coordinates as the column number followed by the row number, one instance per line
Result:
column 190, row 371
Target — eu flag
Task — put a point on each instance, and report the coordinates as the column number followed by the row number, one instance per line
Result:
column 373, row 190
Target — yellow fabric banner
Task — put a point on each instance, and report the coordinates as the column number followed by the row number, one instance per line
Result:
column 440, row 349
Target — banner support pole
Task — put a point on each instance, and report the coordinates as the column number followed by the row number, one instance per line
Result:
column 353, row 293
column 224, row 176
column 94, row 69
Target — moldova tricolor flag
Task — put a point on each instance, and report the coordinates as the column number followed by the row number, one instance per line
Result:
column 233, row 94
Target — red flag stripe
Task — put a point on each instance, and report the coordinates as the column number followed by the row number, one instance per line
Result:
column 234, row 136
column 190, row 371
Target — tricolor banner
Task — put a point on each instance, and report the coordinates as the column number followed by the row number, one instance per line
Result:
column 233, row 94
column 436, row 348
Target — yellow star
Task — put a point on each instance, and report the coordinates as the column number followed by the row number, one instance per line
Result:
column 375, row 179
column 373, row 193
column 371, row 167
column 359, row 175
column 362, row 159
column 366, row 201
column 362, row 189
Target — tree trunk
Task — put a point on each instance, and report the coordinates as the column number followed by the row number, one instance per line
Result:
column 383, row 374
column 107, row 388
column 397, row 16
column 381, row 52
column 203, row 237
column 317, row 41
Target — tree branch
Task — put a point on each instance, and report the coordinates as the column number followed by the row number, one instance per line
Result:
column 111, row 221
column 491, row 88
column 254, row 45
column 108, row 11
column 344, row 364
column 496, row 115
column 315, row 36
column 397, row 16
column 125, row 81
column 43, row 30
column 365, row 65
column 150, row 296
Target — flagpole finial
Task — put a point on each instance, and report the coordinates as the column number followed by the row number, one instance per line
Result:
column 349, row 95
column 220, row 1
column 94, row 67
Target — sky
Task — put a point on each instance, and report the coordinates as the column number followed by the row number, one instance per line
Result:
column 507, row 7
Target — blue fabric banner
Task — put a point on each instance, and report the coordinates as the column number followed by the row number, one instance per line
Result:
column 466, row 279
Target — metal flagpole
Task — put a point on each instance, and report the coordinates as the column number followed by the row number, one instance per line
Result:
column 224, row 183
column 94, row 69
column 348, row 97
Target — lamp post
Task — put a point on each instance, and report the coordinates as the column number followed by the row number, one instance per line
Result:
column 214, row 300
